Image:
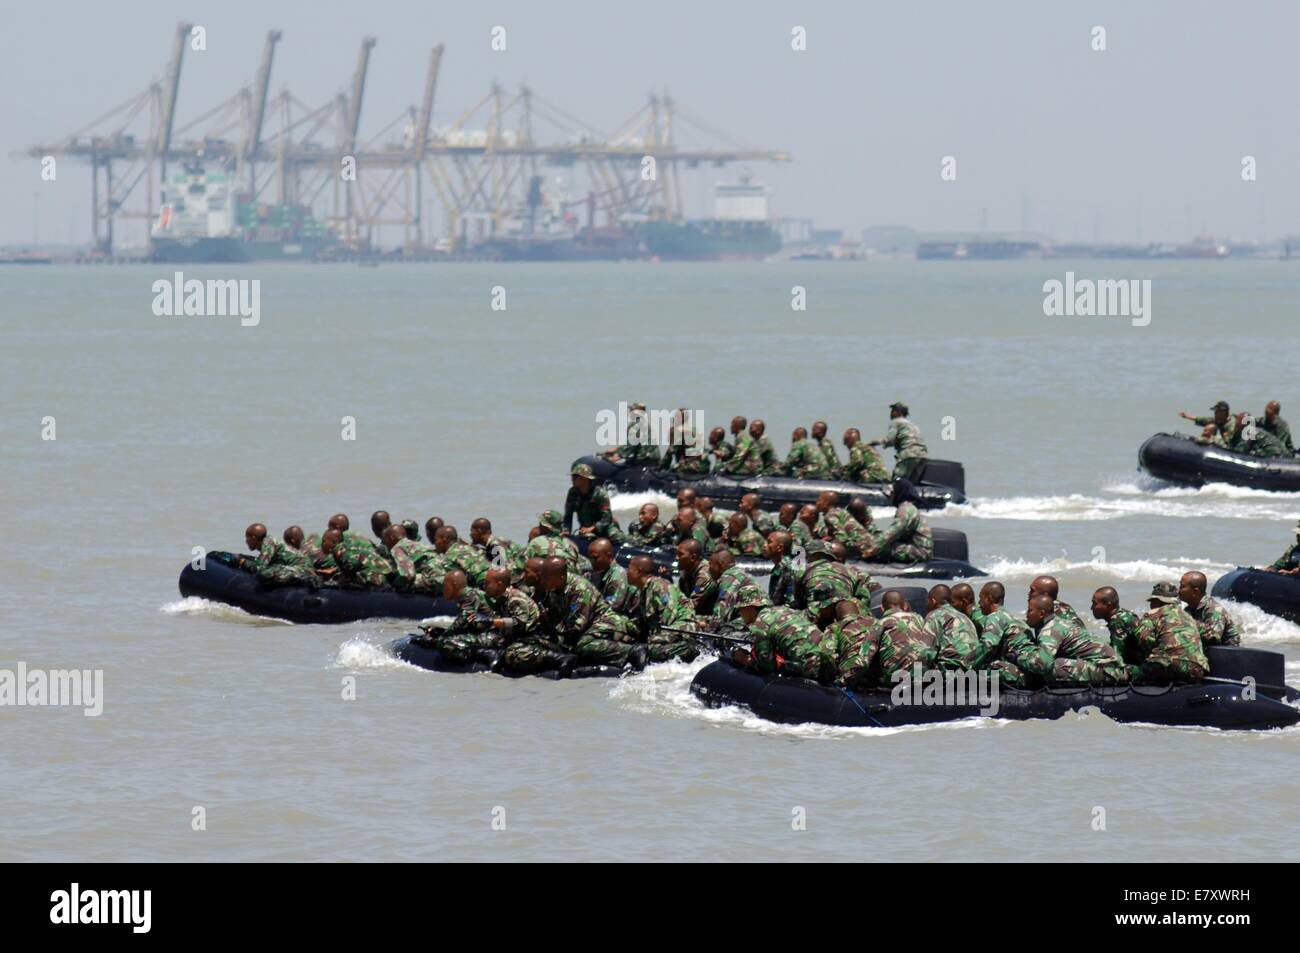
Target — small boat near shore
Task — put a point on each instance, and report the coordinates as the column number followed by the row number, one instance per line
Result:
column 1178, row 458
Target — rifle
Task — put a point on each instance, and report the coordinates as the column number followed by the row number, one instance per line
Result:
column 727, row 636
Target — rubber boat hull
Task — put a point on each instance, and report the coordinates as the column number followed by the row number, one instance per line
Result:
column 800, row 701
column 950, row 562
column 222, row 581
column 415, row 650
column 1178, row 458
column 1274, row 593
column 942, row 482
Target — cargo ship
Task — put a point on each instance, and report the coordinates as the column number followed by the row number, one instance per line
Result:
column 202, row 219
column 740, row 229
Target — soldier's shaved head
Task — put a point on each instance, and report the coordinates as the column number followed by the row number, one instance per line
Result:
column 716, row 436
column 393, row 533
column 454, row 583
column 788, row 513
column 601, row 553
column 254, row 534
column 808, row 515
column 1045, row 585
column 738, row 424
column 339, row 521
column 798, row 434
column 756, row 429
column 818, row 429
column 496, row 582
column 686, row 517
column 737, row 523
column 380, row 521
column 294, row 537
column 329, row 540
column 858, row 510
column 963, row 598
column 533, row 572
column 444, row 537
column 1191, row 588
column 749, row 502
column 991, row 596
column 689, row 554
column 1104, row 603
column 555, row 573
column 1041, row 607
column 704, row 506
column 893, row 599
column 777, row 545
column 685, row 497
column 482, row 524
column 939, row 595
column 720, row 562
column 847, row 609
column 851, row 437
column 431, row 526
column 649, row 513
column 827, row 499
column 639, row 570
column 1272, row 409
column 838, row 550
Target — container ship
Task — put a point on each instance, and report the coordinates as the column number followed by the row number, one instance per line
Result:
column 740, row 229
column 202, row 219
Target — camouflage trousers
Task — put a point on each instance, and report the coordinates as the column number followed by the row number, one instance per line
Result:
column 1009, row 674
column 286, row 576
column 596, row 650
column 909, row 469
column 461, row 646
column 904, row 553
column 1092, row 673
column 531, row 654
column 663, row 646
column 1168, row 670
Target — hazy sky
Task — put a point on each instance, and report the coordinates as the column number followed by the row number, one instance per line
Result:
column 1149, row 134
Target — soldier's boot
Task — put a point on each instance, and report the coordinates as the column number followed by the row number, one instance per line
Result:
column 489, row 657
column 561, row 662
column 637, row 658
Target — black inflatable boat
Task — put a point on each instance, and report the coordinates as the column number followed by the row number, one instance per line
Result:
column 942, row 482
column 222, row 580
column 1180, row 459
column 416, row 650
column 1274, row 593
column 950, row 560
column 1225, row 703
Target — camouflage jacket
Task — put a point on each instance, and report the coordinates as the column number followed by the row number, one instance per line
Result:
column 905, row 437
column 827, row 447
column 1040, row 652
column 517, row 605
column 660, row 603
column 592, row 510
column 727, row 586
column 412, row 557
column 747, row 543
column 1065, row 612
column 825, row 580
column 543, row 546
column 1228, row 432
column 641, row 535
column 908, row 529
column 956, row 643
column 470, row 560
column 358, row 562
column 1170, row 639
column 1288, row 560
column 274, row 552
column 1278, row 428
column 785, row 642
column 807, row 461
column 865, row 465
column 839, row 526
column 1123, row 627
column 902, row 640
column 995, row 630
column 768, row 461
column 744, row 456
column 571, row 611
column 311, row 548
column 502, row 554
column 615, row 589
column 1214, row 623
column 782, row 584
column 473, row 604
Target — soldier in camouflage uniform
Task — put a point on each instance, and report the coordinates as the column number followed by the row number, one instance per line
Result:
column 768, row 461
column 380, row 521
column 1215, row 625
column 685, row 453
column 1275, row 425
column 609, row 578
column 996, row 625
column 727, row 579
column 417, row 567
column 751, row 504
column 785, row 642
column 910, row 452
column 576, row 615
column 340, row 522
column 471, row 637
column 897, row 642
column 358, row 562
column 1169, row 640
column 660, row 604
column 907, row 539
column 1058, row 652
column 458, row 554
column 315, row 552
column 708, row 516
column 1121, row 624
column 785, row 576
column 864, row 464
column 637, row 450
column 294, row 539
column 1224, row 423
column 685, row 525
column 694, row 583
column 806, row 459
column 500, row 553
column 1289, row 562
column 838, row 525
column 277, row 562
column 646, row 530
column 737, row 459
column 588, row 502
column 827, row 447
column 957, row 645
column 740, row 539
column 1048, row 586
column 719, row 451
column 551, row 541
column 823, row 574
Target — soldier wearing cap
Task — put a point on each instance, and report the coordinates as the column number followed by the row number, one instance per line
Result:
column 412, row 529
column 825, row 580
column 1289, row 562
column 1169, row 640
column 910, row 452
column 1224, row 423
column 589, row 502
column 785, row 642
column 551, row 541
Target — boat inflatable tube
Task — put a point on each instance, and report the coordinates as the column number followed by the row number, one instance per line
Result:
column 415, row 650
column 1274, row 593
column 223, row 580
column 1209, row 704
column 942, row 482
column 1180, row 459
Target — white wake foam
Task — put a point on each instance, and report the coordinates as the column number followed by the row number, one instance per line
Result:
column 220, row 611
column 1079, row 507
column 360, row 653
column 1258, row 626
column 1138, row 570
